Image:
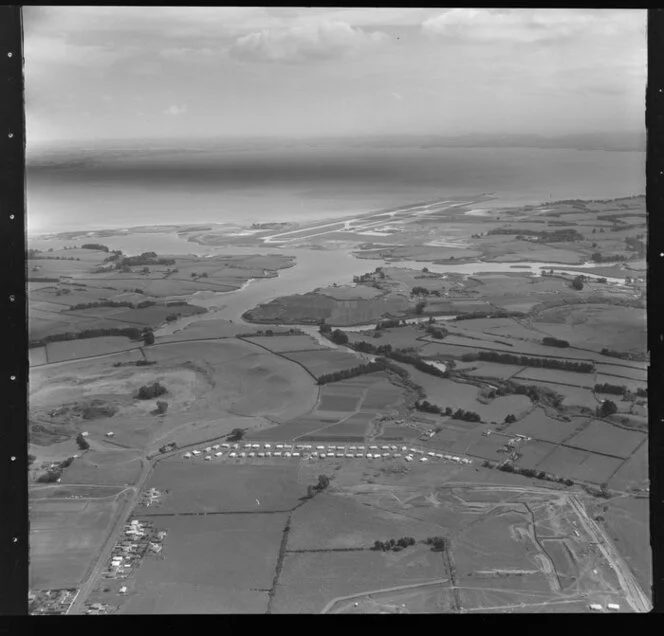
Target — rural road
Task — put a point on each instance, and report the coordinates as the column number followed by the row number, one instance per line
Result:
column 78, row 606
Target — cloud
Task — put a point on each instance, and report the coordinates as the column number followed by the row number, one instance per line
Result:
column 531, row 25
column 44, row 50
column 175, row 110
column 397, row 96
column 304, row 42
column 186, row 53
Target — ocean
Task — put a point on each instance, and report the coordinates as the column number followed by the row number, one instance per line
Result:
column 140, row 185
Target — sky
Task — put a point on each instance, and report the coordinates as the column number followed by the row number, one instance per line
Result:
column 97, row 73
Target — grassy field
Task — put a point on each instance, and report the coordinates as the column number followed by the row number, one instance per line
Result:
column 116, row 466
column 206, row 383
column 325, row 360
column 72, row 349
column 65, row 536
column 539, row 426
column 37, row 356
column 210, row 565
column 601, row 437
column 338, row 402
column 279, row 344
column 211, row 487
column 634, row 472
column 580, row 465
column 556, row 376
column 627, row 521
column 596, row 326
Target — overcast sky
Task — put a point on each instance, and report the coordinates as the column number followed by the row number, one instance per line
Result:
column 121, row 72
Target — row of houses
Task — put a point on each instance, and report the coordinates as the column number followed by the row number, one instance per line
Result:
column 321, row 451
column 139, row 538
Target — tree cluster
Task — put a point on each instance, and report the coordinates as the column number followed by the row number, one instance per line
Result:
column 527, row 361
column 130, row 332
column 612, row 353
column 236, row 435
column 438, row 544
column 320, row 486
column 613, row 389
column 607, row 408
column 81, row 442
column 95, row 246
column 554, row 342
column 490, row 314
column 388, row 323
column 151, row 391
column 436, row 332
column 339, row 337
column 530, row 472
column 557, row 236
column 344, row 374
column 392, row 545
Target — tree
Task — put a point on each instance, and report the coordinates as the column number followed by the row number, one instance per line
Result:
column 608, row 408
column 577, row 283
column 323, row 482
column 510, row 419
column 162, row 407
column 236, row 435
column 148, row 338
column 82, row 442
column 339, row 337
column 419, row 308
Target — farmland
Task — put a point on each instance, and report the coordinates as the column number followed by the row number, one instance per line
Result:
column 65, row 536
column 247, row 534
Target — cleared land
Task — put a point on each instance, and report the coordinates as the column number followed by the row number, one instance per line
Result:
column 210, row 565
column 602, row 437
column 65, row 537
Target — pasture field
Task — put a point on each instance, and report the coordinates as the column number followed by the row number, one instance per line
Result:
column 630, row 383
column 595, row 326
column 347, row 292
column 65, row 536
column 634, row 472
column 573, row 395
column 355, row 426
column 37, row 356
column 557, row 376
column 325, row 360
column 491, row 447
column 280, row 344
column 382, row 395
column 338, row 402
column 206, row 329
column 580, row 465
column 434, row 349
column 533, row 452
column 305, row 585
column 539, row 426
column 398, row 337
column 246, row 379
column 295, row 428
column 116, row 466
column 88, row 347
column 602, row 437
column 627, row 521
column 394, row 432
column 493, row 370
column 624, row 371
column 205, row 382
column 210, row 564
column 212, row 487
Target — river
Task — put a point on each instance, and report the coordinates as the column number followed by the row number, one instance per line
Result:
column 320, row 268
